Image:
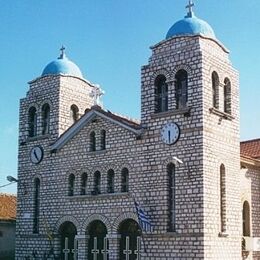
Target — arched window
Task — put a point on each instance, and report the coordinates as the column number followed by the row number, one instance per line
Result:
column 32, row 122
column 161, row 94
column 84, row 179
column 110, row 181
column 223, row 222
column 45, row 119
column 92, row 141
column 36, row 212
column 103, row 139
column 97, row 183
column 125, row 180
column 74, row 113
column 227, row 96
column 246, row 219
column 71, row 185
column 171, row 198
column 181, row 88
column 215, row 86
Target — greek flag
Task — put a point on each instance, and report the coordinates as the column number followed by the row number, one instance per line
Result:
column 144, row 221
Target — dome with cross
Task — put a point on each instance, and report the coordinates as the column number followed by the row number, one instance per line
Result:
column 62, row 65
column 191, row 25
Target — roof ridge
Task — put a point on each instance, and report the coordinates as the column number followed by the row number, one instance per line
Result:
column 251, row 140
column 134, row 120
column 125, row 117
column 8, row 194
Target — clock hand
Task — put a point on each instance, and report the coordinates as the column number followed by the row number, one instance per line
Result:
column 169, row 136
column 36, row 156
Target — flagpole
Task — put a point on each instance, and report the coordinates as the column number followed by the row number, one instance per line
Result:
column 142, row 236
column 140, row 227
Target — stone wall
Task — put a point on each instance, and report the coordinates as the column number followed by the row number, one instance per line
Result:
column 7, row 239
column 208, row 139
column 220, row 147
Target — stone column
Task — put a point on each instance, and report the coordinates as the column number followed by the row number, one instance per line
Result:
column 56, row 245
column 114, row 244
column 82, row 246
column 171, row 95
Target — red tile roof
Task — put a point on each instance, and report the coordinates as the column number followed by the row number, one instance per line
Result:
column 123, row 119
column 250, row 148
column 7, row 206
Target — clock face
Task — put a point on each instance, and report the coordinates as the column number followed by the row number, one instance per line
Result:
column 170, row 133
column 36, row 154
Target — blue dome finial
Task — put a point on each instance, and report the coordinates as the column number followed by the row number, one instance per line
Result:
column 62, row 54
column 62, row 66
column 190, row 25
column 189, row 7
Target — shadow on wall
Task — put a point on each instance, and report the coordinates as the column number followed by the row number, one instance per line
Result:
column 7, row 255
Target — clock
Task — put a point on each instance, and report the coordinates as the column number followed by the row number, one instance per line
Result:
column 170, row 133
column 36, row 154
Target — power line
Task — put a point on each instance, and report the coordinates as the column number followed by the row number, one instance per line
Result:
column 6, row 184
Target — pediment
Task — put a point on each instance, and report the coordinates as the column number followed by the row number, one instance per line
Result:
column 88, row 117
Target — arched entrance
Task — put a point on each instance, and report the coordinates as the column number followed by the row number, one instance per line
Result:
column 129, row 231
column 246, row 229
column 97, row 231
column 246, row 219
column 68, row 232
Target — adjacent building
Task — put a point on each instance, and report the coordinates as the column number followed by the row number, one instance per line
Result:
column 7, row 226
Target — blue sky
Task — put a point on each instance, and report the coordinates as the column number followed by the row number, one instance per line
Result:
column 109, row 40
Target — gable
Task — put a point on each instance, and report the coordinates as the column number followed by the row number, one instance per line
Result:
column 88, row 118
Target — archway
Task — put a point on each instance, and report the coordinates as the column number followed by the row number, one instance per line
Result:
column 68, row 232
column 129, row 230
column 97, row 231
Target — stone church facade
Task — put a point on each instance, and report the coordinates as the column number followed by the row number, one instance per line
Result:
column 81, row 167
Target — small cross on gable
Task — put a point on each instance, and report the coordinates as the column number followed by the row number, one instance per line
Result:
column 96, row 94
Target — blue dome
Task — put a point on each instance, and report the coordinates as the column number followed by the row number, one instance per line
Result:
column 62, row 65
column 191, row 25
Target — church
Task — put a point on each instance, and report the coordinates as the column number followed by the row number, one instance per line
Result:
column 88, row 177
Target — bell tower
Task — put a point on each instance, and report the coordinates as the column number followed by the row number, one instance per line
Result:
column 190, row 84
column 55, row 100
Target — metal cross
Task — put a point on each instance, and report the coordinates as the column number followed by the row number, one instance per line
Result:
column 95, row 250
column 96, row 94
column 75, row 250
column 127, row 252
column 62, row 49
column 105, row 251
column 189, row 6
column 66, row 250
column 138, row 249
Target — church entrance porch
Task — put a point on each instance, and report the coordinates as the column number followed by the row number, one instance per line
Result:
column 130, row 241
column 98, row 243
column 68, row 243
